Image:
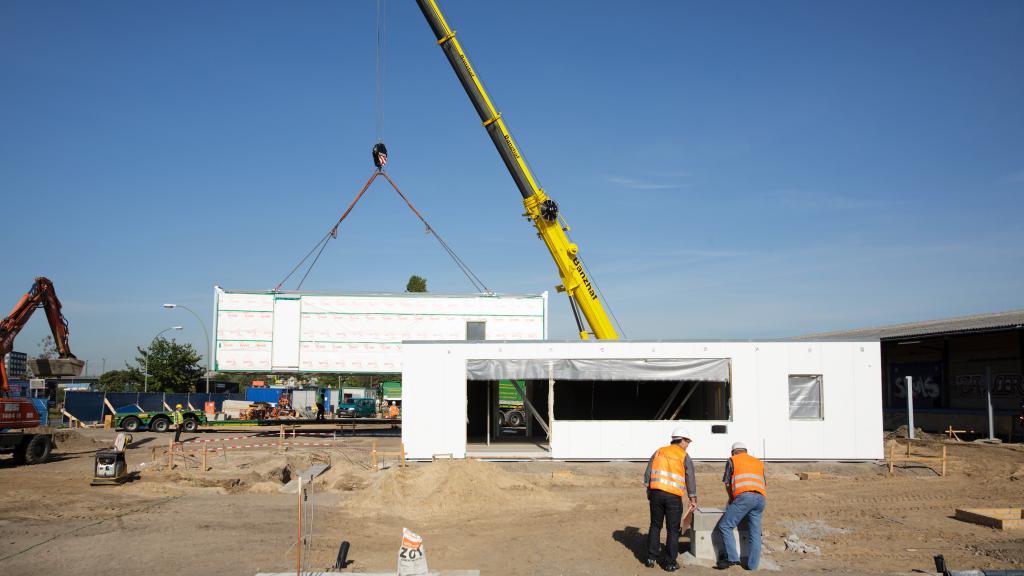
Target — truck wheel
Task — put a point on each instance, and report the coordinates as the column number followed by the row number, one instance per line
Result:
column 190, row 425
column 131, row 424
column 38, row 450
column 159, row 424
column 515, row 419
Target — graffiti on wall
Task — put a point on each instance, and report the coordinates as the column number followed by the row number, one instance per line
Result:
column 926, row 378
column 1003, row 385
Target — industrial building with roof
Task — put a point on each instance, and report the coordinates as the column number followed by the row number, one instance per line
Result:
column 953, row 363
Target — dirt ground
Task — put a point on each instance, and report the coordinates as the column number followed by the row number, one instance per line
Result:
column 500, row 518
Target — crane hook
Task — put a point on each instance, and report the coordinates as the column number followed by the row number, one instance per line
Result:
column 380, row 155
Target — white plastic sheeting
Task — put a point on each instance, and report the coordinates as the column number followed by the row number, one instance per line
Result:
column 655, row 369
column 805, row 396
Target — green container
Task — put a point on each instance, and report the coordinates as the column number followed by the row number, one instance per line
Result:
column 392, row 390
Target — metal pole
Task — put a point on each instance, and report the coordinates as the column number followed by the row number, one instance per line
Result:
column 988, row 399
column 298, row 541
column 910, row 407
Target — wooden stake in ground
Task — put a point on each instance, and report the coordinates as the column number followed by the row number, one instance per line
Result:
column 170, row 454
column 204, row 458
column 373, row 456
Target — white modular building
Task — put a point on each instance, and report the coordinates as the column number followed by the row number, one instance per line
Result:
column 601, row 400
column 358, row 333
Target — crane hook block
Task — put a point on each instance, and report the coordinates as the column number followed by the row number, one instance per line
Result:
column 549, row 210
column 380, row 155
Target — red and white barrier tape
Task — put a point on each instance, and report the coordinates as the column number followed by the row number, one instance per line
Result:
column 268, row 445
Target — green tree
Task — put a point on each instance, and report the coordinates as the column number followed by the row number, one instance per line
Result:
column 172, row 367
column 120, row 381
column 416, row 284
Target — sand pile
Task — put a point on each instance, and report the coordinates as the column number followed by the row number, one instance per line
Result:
column 69, row 440
column 451, row 488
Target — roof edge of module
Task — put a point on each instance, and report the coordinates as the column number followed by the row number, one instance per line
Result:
column 652, row 341
column 265, row 292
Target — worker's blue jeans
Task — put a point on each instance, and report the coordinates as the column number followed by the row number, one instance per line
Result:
column 749, row 505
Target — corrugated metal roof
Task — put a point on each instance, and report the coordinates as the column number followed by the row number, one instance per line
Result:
column 958, row 325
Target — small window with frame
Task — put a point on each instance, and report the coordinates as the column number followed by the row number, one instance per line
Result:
column 476, row 331
column 805, row 397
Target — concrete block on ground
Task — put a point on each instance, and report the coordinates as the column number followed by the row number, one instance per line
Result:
column 306, row 476
column 706, row 542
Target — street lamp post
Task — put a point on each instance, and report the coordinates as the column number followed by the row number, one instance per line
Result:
column 209, row 352
column 145, row 385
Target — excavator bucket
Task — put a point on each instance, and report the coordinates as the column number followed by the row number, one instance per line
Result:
column 56, row 367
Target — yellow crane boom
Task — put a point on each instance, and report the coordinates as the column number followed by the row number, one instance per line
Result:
column 541, row 210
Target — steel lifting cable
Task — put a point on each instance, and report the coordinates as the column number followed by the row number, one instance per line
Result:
column 322, row 243
column 478, row 284
column 319, row 247
column 381, row 46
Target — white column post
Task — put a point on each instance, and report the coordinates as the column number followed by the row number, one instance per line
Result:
column 910, row 407
column 988, row 399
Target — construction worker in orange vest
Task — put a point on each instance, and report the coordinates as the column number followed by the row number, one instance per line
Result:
column 747, row 488
column 669, row 478
column 393, row 411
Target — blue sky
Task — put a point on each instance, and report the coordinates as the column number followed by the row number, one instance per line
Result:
column 729, row 169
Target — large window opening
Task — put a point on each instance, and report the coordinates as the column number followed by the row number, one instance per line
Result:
column 641, row 400
column 496, row 412
column 596, row 389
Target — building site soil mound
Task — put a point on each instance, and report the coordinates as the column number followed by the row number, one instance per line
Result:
column 524, row 518
column 454, row 488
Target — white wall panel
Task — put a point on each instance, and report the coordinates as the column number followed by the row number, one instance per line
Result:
column 358, row 333
column 287, row 319
column 434, row 383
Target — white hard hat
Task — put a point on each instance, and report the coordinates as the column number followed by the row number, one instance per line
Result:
column 738, row 446
column 681, row 433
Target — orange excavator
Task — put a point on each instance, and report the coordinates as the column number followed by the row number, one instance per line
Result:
column 21, row 413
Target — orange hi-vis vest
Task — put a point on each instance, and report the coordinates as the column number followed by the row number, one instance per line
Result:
column 747, row 475
column 668, row 470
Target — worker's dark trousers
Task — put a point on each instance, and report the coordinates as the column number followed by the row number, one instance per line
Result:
column 665, row 508
column 177, row 433
column 319, row 412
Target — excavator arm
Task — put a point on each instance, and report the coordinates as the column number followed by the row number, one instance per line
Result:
column 41, row 295
column 540, row 209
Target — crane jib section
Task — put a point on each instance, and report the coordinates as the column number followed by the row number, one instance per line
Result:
column 541, row 210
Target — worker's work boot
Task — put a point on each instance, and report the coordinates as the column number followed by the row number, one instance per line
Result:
column 650, row 562
column 671, row 567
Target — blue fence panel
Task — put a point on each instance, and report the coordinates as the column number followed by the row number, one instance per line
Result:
column 175, row 399
column 198, row 400
column 152, row 401
column 270, row 395
column 119, row 399
column 86, row 406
